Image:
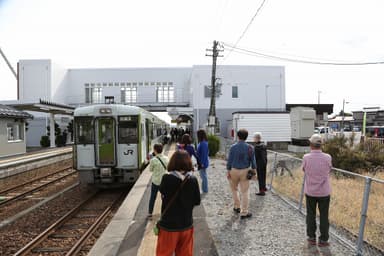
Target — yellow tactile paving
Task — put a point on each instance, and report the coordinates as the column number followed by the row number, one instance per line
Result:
column 149, row 241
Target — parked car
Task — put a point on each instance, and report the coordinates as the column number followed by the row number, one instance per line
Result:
column 322, row 129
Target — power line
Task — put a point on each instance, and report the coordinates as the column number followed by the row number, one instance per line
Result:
column 269, row 56
column 246, row 28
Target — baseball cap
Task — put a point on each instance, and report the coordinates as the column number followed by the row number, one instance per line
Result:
column 316, row 139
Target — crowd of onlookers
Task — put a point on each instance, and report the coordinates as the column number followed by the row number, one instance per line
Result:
column 180, row 192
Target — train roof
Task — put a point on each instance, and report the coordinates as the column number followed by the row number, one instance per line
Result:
column 117, row 109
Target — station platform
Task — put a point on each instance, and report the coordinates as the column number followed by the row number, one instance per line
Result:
column 13, row 165
column 274, row 229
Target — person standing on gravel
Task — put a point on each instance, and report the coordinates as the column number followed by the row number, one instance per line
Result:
column 240, row 158
column 317, row 167
column 261, row 160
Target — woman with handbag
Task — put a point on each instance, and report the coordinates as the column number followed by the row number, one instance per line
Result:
column 180, row 193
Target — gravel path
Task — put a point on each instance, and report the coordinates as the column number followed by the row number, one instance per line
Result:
column 274, row 229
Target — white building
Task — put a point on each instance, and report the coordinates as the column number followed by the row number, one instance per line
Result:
column 12, row 131
column 178, row 90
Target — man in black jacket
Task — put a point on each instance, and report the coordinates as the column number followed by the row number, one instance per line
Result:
column 261, row 162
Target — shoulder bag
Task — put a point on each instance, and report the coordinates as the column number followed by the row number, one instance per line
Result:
column 156, row 226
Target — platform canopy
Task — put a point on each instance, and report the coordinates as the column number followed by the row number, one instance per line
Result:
column 46, row 107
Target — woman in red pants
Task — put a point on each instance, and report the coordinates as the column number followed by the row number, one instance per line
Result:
column 180, row 193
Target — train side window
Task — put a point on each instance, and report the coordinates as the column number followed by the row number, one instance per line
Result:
column 128, row 132
column 84, row 130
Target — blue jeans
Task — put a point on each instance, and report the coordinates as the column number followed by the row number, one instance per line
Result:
column 204, row 180
column 152, row 199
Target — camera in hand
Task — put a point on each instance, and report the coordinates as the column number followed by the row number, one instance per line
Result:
column 250, row 174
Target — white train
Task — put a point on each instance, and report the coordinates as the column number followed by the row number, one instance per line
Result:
column 112, row 142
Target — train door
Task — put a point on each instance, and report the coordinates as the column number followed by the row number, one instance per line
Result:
column 105, row 144
column 148, row 130
column 143, row 142
column 84, row 143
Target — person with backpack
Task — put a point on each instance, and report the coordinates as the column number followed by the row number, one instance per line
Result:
column 186, row 144
column 180, row 194
column 158, row 167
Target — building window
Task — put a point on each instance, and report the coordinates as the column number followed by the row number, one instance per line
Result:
column 15, row 131
column 165, row 94
column 235, row 93
column 129, row 95
column 109, row 100
column 93, row 95
column 208, row 91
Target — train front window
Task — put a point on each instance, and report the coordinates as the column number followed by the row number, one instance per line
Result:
column 128, row 132
column 84, row 130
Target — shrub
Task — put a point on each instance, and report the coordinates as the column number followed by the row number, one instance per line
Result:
column 355, row 159
column 213, row 144
column 44, row 141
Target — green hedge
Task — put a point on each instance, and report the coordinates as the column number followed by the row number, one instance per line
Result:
column 213, row 144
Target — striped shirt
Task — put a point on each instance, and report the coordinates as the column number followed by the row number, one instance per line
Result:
column 317, row 166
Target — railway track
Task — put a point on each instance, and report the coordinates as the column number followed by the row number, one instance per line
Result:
column 22, row 190
column 69, row 234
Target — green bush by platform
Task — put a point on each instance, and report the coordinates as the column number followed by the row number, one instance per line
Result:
column 44, row 141
column 213, row 144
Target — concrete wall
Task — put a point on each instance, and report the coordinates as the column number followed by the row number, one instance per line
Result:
column 59, row 83
column 12, row 147
column 34, row 80
column 36, row 128
column 260, row 88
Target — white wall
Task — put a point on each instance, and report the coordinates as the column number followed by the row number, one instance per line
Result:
column 59, row 83
column 77, row 78
column 260, row 88
column 34, row 80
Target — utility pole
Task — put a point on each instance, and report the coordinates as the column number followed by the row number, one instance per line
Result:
column 212, row 109
column 8, row 63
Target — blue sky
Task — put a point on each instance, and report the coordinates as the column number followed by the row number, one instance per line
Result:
column 119, row 33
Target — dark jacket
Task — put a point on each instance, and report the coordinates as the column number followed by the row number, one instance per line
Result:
column 178, row 217
column 261, row 155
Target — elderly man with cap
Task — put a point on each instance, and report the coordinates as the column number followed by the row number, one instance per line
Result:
column 317, row 167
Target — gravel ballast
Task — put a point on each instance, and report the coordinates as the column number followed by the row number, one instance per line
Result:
column 274, row 229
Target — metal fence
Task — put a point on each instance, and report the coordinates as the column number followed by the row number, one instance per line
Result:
column 357, row 201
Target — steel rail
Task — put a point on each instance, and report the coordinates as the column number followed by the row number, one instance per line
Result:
column 42, row 236
column 36, row 189
column 34, row 180
column 80, row 243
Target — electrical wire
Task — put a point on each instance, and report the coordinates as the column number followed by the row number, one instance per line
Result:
column 304, row 61
column 246, row 28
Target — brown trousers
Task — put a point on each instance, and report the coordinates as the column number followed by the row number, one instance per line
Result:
column 239, row 177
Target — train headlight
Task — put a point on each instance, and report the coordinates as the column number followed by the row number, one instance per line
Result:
column 105, row 111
